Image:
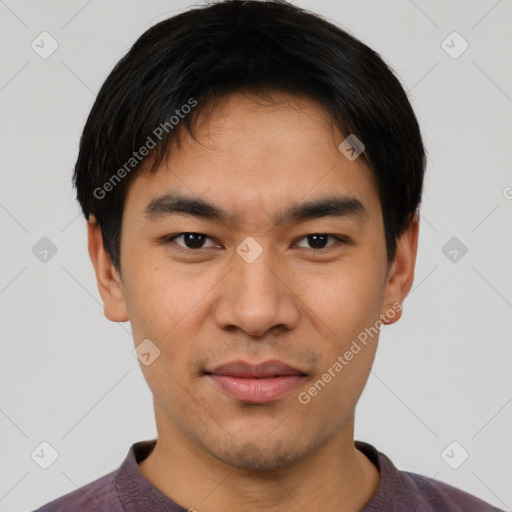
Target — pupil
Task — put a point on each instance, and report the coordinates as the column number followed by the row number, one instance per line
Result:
column 317, row 241
column 194, row 240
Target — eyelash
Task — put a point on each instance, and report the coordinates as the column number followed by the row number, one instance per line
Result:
column 339, row 240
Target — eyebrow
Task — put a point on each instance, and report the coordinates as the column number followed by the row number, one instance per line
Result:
column 329, row 206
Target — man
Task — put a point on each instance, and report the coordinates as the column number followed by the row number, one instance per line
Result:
column 251, row 176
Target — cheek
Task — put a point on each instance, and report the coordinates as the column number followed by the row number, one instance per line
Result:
column 168, row 305
column 343, row 299
column 345, row 304
column 334, row 392
column 346, row 362
column 160, row 297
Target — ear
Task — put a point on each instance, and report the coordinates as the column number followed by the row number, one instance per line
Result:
column 107, row 277
column 401, row 273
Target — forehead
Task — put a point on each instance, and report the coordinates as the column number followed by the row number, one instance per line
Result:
column 251, row 157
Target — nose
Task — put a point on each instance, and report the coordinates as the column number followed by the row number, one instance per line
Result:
column 258, row 297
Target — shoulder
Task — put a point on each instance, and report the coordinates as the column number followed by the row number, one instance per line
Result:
column 404, row 491
column 430, row 495
column 98, row 495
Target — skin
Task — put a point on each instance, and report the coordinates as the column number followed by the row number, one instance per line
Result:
column 295, row 303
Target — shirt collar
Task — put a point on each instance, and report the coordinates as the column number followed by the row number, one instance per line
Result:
column 137, row 493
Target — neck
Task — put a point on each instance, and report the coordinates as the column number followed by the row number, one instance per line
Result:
column 335, row 477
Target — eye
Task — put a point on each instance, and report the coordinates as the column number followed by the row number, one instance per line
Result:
column 191, row 241
column 196, row 241
column 319, row 240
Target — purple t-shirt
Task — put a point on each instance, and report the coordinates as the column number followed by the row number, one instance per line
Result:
column 127, row 490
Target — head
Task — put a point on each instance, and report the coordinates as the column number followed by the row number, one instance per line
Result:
column 227, row 220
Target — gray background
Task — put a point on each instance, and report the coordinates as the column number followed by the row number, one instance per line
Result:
column 442, row 374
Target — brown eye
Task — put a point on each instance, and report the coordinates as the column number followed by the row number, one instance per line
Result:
column 320, row 240
column 191, row 241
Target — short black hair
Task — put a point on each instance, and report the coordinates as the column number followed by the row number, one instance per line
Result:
column 186, row 63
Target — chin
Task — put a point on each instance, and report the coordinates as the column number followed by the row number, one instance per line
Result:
column 260, row 455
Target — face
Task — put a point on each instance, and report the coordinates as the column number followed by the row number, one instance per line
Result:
column 254, row 278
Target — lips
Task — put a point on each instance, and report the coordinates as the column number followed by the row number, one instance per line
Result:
column 263, row 370
column 257, row 384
